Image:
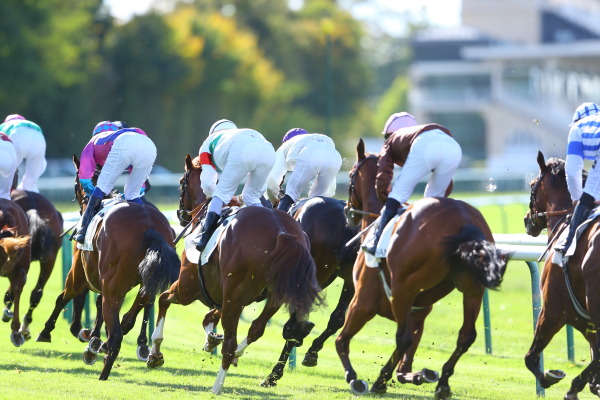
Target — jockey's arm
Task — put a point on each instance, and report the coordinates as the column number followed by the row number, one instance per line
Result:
column 208, row 176
column 276, row 175
column 87, row 167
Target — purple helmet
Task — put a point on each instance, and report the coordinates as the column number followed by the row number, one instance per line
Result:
column 293, row 132
column 105, row 126
column 13, row 116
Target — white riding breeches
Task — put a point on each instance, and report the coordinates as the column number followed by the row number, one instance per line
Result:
column 8, row 167
column 319, row 162
column 432, row 152
column 249, row 158
column 30, row 146
column 128, row 149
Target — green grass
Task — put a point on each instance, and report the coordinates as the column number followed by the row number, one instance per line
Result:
column 55, row 370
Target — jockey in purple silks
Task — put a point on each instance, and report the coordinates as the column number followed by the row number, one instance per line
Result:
column 115, row 148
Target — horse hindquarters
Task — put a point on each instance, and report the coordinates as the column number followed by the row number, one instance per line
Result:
column 160, row 266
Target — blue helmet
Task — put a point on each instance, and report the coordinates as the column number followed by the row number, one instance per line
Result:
column 585, row 110
column 293, row 132
column 105, row 126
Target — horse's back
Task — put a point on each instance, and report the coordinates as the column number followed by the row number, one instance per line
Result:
column 13, row 216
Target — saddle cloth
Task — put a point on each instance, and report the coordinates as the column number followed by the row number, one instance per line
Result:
column 384, row 242
column 580, row 230
column 192, row 254
column 88, row 243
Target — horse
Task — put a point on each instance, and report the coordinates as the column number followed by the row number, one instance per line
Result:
column 438, row 244
column 261, row 254
column 45, row 227
column 132, row 245
column 324, row 222
column 549, row 204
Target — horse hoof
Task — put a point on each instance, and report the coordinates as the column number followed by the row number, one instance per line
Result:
column 443, row 393
column 379, row 388
column 89, row 357
column 94, row 345
column 155, row 361
column 103, row 348
column 7, row 315
column 571, row 396
column 358, row 386
column 310, row 360
column 17, row 339
column 552, row 376
column 268, row 383
column 44, row 338
column 213, row 340
column 429, row 376
column 84, row 335
column 26, row 335
column 143, row 352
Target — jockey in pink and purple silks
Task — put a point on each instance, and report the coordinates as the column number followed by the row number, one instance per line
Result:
column 115, row 149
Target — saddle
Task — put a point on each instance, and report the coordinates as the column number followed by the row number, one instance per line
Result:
column 192, row 254
column 580, row 231
column 384, row 242
column 106, row 206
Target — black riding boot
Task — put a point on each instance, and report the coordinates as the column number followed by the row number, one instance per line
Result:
column 208, row 228
column 387, row 213
column 265, row 202
column 285, row 203
column 580, row 214
column 88, row 214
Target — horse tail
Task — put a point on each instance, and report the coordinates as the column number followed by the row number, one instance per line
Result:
column 41, row 235
column 469, row 249
column 293, row 276
column 160, row 266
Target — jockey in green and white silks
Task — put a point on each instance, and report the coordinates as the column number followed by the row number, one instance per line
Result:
column 309, row 156
column 30, row 146
column 228, row 155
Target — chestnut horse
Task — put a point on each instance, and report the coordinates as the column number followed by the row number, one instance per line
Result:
column 45, row 227
column 438, row 244
column 323, row 220
column 550, row 202
column 132, row 246
column 262, row 253
column 15, row 258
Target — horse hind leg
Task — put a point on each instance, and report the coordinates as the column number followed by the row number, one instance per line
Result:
column 110, row 310
column 9, row 298
column 336, row 321
column 46, row 267
column 233, row 311
column 210, row 322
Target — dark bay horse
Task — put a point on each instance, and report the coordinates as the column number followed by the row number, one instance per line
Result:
column 132, row 246
column 15, row 258
column 262, row 253
column 438, row 244
column 323, row 220
column 45, row 227
column 550, row 202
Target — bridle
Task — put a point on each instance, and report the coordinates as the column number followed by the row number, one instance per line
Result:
column 350, row 208
column 183, row 214
column 540, row 218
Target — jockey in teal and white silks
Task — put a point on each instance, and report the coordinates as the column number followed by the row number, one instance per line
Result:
column 30, row 146
column 309, row 156
column 8, row 165
column 228, row 155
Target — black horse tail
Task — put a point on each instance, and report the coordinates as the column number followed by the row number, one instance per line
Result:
column 41, row 234
column 469, row 249
column 160, row 267
column 293, row 277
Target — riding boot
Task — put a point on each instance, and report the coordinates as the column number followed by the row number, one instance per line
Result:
column 265, row 202
column 580, row 214
column 88, row 214
column 208, row 228
column 389, row 210
column 285, row 203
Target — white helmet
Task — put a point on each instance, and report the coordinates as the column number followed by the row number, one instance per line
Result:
column 397, row 121
column 221, row 125
column 585, row 110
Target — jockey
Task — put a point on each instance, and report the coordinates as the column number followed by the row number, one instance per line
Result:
column 310, row 156
column 115, row 149
column 8, row 165
column 419, row 150
column 229, row 154
column 582, row 144
column 30, row 145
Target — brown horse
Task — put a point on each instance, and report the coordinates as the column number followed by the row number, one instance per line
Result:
column 323, row 220
column 550, row 202
column 132, row 246
column 15, row 258
column 438, row 244
column 45, row 227
column 262, row 253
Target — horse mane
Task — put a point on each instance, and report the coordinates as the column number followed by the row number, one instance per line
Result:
column 556, row 166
